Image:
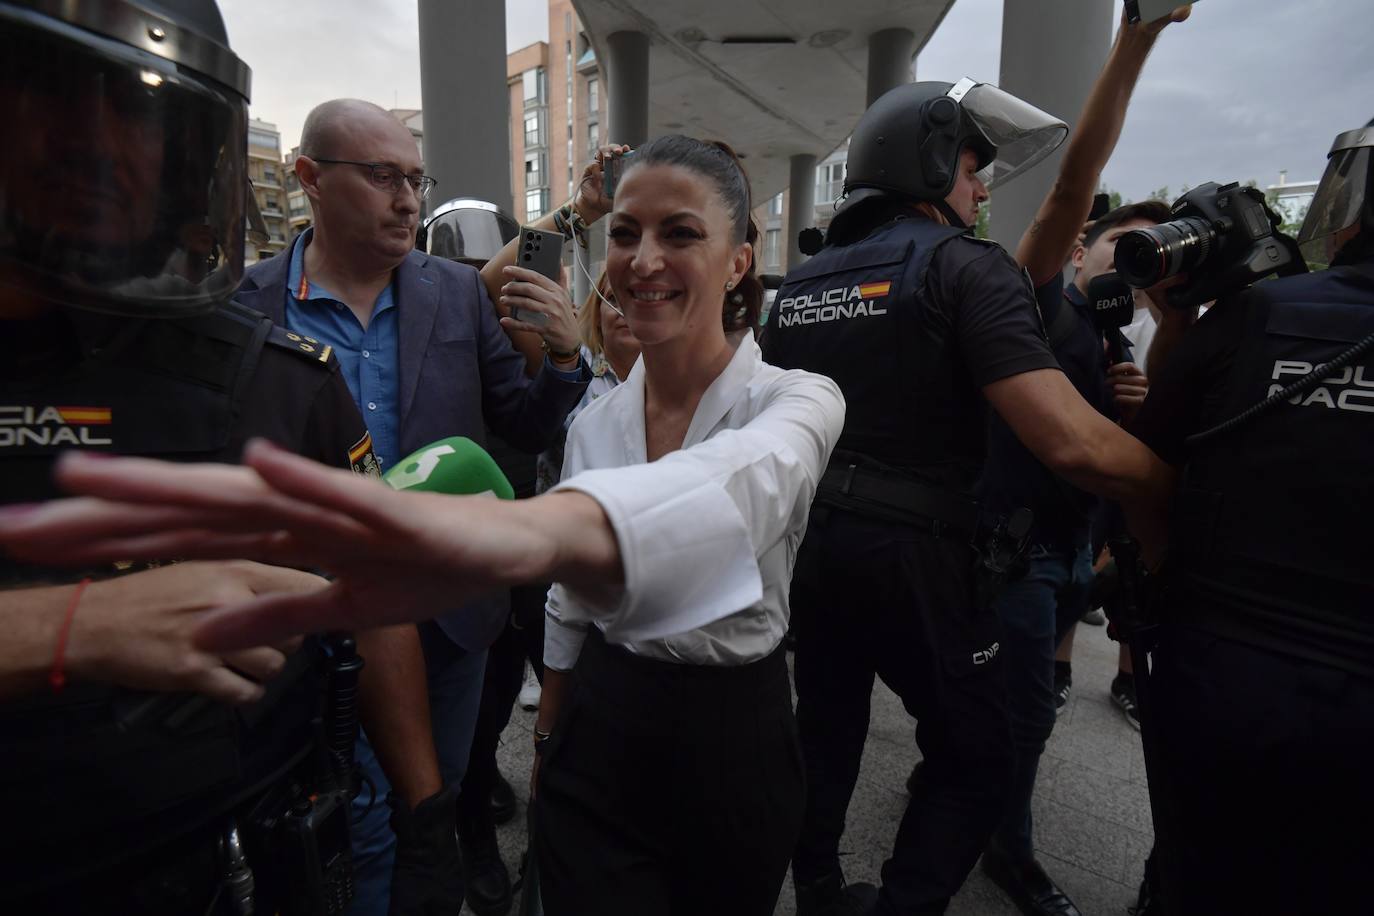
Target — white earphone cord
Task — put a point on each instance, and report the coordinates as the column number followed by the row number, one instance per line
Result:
column 578, row 261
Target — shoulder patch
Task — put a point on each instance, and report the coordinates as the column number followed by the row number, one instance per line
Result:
column 307, row 347
column 362, row 460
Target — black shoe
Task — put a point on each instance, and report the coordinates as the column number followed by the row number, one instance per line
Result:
column 1147, row 900
column 1123, row 695
column 914, row 779
column 486, row 881
column 1063, row 686
column 830, row 896
column 1028, row 886
column 503, row 804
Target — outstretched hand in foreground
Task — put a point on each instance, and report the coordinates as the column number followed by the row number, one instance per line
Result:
column 394, row 556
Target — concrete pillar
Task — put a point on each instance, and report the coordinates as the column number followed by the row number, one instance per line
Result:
column 464, row 96
column 801, row 204
column 627, row 86
column 589, row 259
column 889, row 60
column 1051, row 62
column 627, row 82
column 581, row 288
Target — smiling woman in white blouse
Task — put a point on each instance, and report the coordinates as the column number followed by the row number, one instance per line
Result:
column 672, row 780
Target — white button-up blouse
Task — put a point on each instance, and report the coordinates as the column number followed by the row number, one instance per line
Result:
column 708, row 534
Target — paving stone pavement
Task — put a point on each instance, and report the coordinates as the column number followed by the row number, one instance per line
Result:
column 1091, row 807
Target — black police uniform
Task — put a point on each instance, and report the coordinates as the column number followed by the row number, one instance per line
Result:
column 1038, row 609
column 1263, row 680
column 116, row 800
column 910, row 322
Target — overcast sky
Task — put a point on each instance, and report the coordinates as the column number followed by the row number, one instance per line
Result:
column 1243, row 89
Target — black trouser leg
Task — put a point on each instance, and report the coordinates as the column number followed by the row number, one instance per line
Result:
column 527, row 619
column 951, row 679
column 668, row 789
column 834, row 670
column 905, row 596
column 500, row 687
column 1055, row 584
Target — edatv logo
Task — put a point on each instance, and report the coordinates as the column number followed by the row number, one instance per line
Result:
column 833, row 304
column 1349, row 390
column 20, row 426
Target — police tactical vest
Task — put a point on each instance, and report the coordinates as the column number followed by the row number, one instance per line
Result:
column 860, row 314
column 98, row 772
column 1271, row 528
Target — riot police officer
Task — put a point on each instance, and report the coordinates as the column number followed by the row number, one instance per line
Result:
column 922, row 325
column 1263, row 678
column 122, row 195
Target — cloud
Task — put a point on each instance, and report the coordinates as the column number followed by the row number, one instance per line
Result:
column 305, row 52
column 1240, row 91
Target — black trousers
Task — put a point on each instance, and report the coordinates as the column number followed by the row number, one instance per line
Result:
column 521, row 640
column 873, row 598
column 1270, row 778
column 669, row 789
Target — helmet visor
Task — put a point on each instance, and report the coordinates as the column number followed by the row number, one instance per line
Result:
column 1343, row 189
column 472, row 230
column 122, row 184
column 1021, row 133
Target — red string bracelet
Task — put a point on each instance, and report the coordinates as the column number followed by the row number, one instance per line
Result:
column 58, row 677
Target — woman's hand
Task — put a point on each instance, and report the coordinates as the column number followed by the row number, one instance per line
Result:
column 527, row 291
column 396, row 556
column 590, row 201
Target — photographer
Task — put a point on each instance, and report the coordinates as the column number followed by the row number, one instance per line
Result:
column 1262, row 685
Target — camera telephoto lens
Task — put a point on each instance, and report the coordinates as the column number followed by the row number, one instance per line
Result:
column 1140, row 257
column 1145, row 257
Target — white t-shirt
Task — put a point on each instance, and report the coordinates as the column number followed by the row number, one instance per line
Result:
column 1140, row 332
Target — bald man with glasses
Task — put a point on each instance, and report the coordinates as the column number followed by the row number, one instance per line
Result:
column 420, row 346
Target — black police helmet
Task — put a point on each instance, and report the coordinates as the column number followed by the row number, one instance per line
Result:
column 468, row 230
column 909, row 141
column 123, row 181
column 1345, row 195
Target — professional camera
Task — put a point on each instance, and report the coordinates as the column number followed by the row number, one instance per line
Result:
column 1224, row 237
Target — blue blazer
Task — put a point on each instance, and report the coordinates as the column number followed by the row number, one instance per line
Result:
column 459, row 375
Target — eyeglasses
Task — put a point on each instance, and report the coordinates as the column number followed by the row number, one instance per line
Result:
column 389, row 178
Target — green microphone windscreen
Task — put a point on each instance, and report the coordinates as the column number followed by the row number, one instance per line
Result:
column 456, row 465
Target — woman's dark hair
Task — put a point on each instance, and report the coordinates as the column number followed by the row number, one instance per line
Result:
column 718, row 163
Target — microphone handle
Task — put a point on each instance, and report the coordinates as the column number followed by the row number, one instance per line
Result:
column 1115, row 352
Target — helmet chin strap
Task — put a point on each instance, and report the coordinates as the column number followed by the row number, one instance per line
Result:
column 954, row 218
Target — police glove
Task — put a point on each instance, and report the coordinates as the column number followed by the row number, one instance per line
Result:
column 427, row 879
